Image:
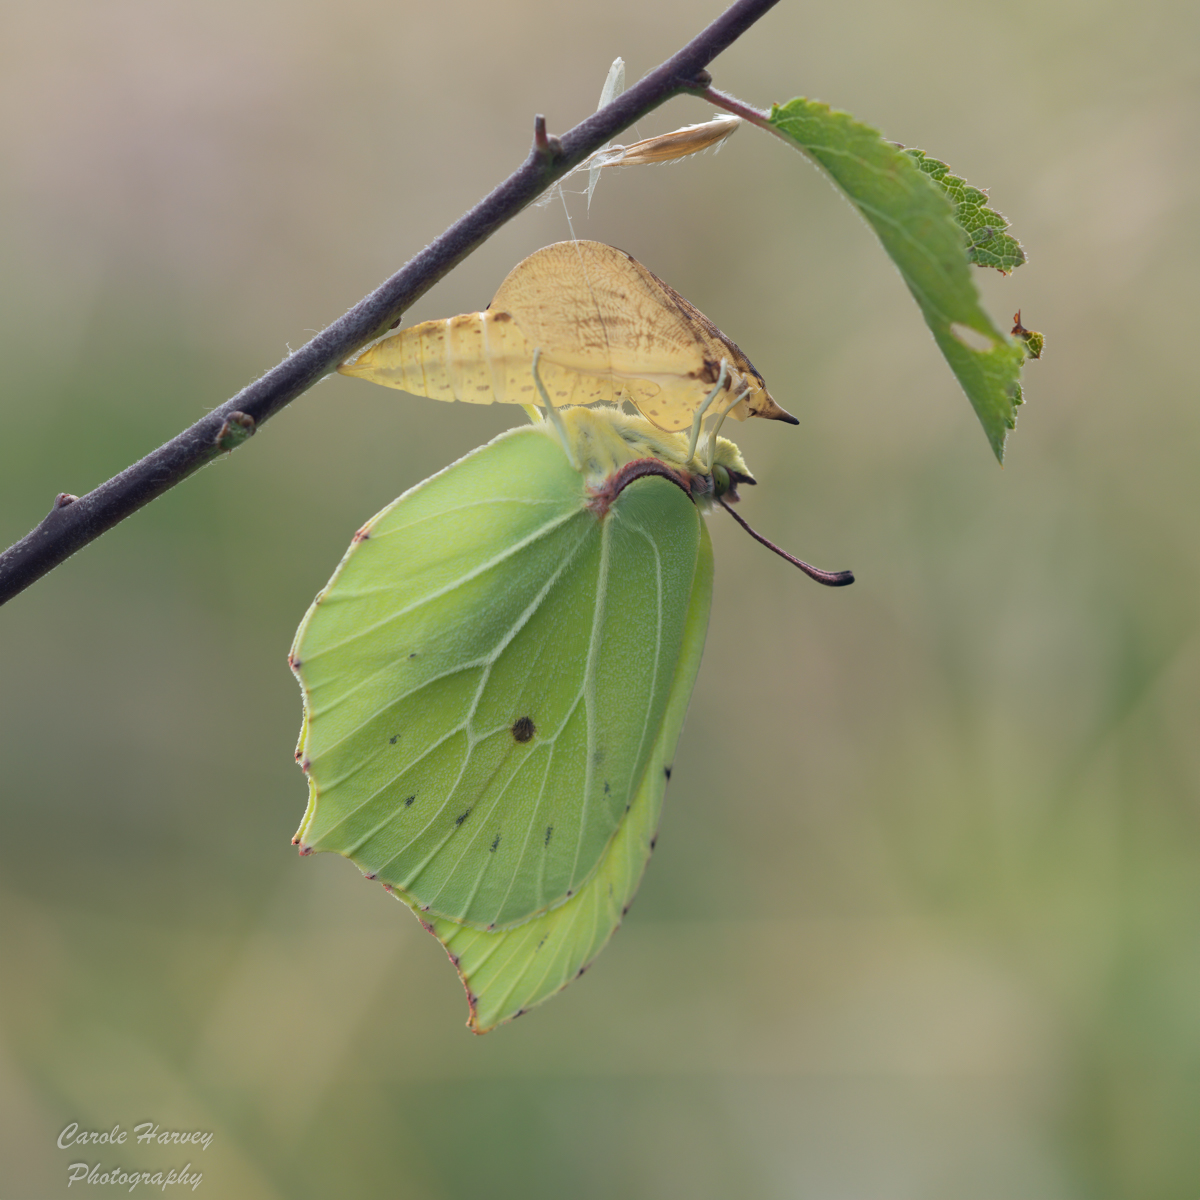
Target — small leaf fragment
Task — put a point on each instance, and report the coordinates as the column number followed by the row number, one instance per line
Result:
column 914, row 218
column 987, row 243
column 1034, row 341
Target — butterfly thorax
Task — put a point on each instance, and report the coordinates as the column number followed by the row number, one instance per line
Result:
column 606, row 443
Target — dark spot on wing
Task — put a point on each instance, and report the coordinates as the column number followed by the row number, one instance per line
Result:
column 523, row 729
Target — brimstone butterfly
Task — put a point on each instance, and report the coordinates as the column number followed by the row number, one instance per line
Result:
column 496, row 676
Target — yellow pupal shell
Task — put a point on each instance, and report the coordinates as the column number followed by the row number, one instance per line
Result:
column 478, row 358
column 607, row 329
column 611, row 317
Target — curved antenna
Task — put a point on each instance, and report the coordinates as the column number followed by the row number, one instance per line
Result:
column 828, row 578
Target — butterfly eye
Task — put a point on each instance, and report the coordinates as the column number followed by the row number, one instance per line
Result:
column 725, row 481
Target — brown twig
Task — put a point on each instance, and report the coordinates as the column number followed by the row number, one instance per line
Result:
column 72, row 524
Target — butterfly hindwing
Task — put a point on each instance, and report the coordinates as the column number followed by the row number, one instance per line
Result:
column 508, row 971
column 487, row 676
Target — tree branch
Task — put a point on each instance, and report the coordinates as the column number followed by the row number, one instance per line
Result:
column 733, row 105
column 74, row 522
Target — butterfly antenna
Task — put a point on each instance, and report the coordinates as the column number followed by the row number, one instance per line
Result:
column 828, row 578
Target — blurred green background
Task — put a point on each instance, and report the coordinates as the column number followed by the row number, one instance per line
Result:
column 924, row 918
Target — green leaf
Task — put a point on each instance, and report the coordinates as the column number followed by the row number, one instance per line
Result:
column 987, row 243
column 915, row 220
column 1034, row 342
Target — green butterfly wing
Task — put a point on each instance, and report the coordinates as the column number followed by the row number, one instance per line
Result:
column 489, row 679
column 507, row 972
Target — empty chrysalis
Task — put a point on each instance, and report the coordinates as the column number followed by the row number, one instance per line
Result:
column 607, row 329
column 496, row 676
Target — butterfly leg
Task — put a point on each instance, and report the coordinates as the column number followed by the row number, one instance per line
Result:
column 712, row 437
column 722, row 379
column 551, row 411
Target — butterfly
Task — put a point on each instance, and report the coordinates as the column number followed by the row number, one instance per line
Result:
column 495, row 678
